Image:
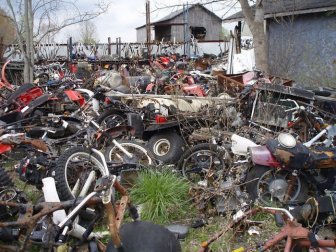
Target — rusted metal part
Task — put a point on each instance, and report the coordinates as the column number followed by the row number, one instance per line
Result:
column 120, row 210
column 291, row 185
column 229, row 84
column 45, row 208
column 113, row 229
column 120, row 188
column 292, row 232
column 101, row 246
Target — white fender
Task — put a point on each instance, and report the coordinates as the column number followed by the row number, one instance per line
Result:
column 240, row 145
column 51, row 195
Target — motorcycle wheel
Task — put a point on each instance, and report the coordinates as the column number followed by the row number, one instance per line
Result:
column 112, row 118
column 72, row 171
column 141, row 155
column 269, row 186
column 166, row 146
column 197, row 161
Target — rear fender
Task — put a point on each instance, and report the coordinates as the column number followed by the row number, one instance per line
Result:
column 260, row 155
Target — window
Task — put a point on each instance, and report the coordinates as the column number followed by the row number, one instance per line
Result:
column 198, row 32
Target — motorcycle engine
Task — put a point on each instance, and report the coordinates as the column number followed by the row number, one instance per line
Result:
column 319, row 210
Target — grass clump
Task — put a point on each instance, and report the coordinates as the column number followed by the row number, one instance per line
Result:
column 163, row 196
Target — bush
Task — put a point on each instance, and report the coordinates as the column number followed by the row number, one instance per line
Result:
column 163, row 196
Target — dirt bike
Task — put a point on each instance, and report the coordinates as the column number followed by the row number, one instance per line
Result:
column 78, row 165
column 282, row 169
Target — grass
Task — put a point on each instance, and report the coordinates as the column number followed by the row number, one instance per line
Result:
column 163, row 196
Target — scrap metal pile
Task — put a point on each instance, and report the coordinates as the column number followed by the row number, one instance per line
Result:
column 240, row 139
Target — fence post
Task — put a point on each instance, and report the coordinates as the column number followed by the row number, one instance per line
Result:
column 109, row 45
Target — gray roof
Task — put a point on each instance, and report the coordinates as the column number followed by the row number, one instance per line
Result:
column 289, row 7
column 179, row 12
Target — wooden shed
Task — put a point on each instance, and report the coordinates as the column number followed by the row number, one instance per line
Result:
column 180, row 25
column 301, row 37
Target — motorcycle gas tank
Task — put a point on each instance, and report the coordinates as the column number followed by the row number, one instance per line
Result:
column 297, row 157
column 261, row 155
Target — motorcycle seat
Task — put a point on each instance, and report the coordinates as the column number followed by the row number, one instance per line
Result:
column 301, row 157
column 323, row 158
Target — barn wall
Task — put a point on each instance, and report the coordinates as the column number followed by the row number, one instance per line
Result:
column 303, row 49
column 141, row 35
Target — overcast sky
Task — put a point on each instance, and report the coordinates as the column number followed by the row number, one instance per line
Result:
column 125, row 15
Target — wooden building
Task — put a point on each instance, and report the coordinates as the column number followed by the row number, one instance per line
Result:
column 301, row 37
column 194, row 20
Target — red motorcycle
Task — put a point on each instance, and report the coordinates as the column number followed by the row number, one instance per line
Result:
column 284, row 170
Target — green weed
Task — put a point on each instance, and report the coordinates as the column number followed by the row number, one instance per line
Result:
column 163, row 196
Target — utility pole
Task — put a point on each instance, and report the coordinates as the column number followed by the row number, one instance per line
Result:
column 185, row 30
column 148, row 28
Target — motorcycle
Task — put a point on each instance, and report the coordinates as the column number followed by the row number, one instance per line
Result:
column 219, row 168
column 285, row 171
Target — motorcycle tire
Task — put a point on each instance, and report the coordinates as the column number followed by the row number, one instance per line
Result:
column 166, row 146
column 73, row 167
column 112, row 118
column 257, row 174
column 141, row 155
column 196, row 161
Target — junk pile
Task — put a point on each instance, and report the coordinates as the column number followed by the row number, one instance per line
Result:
column 239, row 139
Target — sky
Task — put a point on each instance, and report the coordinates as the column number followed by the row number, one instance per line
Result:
column 124, row 16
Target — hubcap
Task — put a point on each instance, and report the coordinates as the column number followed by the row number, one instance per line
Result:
column 278, row 188
column 161, row 147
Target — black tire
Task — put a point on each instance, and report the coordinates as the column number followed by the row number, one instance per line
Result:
column 112, row 118
column 141, row 155
column 166, row 146
column 146, row 236
column 263, row 177
column 198, row 160
column 5, row 179
column 74, row 166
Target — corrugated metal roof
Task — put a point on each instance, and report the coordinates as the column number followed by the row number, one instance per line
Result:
column 179, row 12
column 289, row 7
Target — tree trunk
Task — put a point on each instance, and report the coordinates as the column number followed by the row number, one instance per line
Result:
column 31, row 41
column 256, row 25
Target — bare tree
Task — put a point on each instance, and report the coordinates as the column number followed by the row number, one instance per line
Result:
column 88, row 32
column 255, row 21
column 34, row 20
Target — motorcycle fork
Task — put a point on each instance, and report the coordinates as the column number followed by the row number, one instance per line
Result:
column 291, row 184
